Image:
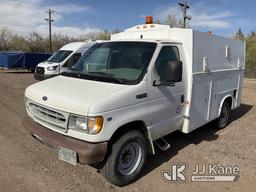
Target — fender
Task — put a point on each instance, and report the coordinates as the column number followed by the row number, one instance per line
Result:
column 224, row 98
column 135, row 125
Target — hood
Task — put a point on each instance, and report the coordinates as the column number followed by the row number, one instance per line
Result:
column 47, row 64
column 70, row 94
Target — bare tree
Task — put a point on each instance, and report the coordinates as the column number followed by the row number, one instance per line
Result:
column 19, row 43
column 172, row 21
column 5, row 39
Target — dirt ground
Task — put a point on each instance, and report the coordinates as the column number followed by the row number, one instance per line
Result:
column 27, row 165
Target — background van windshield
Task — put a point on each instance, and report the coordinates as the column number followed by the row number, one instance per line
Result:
column 124, row 60
column 59, row 56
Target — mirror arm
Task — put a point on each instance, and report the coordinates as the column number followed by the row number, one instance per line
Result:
column 155, row 84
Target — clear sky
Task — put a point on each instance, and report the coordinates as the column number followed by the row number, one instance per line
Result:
column 77, row 17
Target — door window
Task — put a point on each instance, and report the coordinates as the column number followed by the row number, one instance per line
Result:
column 168, row 53
column 72, row 60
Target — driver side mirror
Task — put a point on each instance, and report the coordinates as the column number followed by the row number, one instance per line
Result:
column 170, row 72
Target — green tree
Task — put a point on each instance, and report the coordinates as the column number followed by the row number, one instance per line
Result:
column 250, row 69
column 239, row 35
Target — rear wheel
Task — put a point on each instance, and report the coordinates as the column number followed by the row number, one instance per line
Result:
column 126, row 160
column 223, row 119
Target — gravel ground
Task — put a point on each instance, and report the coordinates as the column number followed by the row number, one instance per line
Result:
column 27, row 165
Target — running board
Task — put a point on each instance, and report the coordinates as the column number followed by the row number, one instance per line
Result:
column 162, row 144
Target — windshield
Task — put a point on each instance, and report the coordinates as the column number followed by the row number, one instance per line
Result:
column 120, row 62
column 59, row 56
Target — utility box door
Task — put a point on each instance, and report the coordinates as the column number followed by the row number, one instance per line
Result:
column 200, row 103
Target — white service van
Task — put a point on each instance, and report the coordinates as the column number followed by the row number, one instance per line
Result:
column 61, row 60
column 124, row 96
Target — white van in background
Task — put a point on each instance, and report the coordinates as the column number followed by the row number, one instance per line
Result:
column 61, row 60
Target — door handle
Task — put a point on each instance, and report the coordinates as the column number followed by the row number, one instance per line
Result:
column 141, row 96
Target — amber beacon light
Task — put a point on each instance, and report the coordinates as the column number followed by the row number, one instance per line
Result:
column 149, row 20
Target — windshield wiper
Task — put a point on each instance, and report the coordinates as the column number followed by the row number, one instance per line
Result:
column 93, row 75
column 78, row 74
column 109, row 76
column 74, row 73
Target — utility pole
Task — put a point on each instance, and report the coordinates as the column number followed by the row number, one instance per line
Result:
column 184, row 6
column 50, row 20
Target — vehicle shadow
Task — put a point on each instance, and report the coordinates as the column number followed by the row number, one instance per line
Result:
column 180, row 140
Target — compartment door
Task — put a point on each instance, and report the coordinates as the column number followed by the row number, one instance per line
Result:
column 200, row 102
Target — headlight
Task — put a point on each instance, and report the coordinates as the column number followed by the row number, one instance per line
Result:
column 78, row 123
column 92, row 125
column 52, row 68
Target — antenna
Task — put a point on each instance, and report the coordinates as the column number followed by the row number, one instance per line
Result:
column 184, row 6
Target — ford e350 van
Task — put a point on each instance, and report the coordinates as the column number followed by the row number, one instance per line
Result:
column 122, row 97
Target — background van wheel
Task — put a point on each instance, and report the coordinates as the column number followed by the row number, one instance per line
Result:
column 126, row 160
column 223, row 119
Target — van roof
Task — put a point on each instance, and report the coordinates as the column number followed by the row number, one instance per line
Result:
column 75, row 46
column 161, row 41
column 160, row 32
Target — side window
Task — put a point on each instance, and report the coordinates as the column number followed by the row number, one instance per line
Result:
column 72, row 60
column 168, row 53
column 76, row 57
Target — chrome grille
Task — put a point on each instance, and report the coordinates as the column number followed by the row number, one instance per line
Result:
column 55, row 118
column 40, row 70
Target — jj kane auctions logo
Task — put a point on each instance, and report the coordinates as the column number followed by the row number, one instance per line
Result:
column 201, row 173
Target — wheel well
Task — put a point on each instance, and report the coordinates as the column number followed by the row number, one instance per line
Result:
column 135, row 125
column 229, row 100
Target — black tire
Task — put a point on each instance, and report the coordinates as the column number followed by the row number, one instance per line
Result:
column 223, row 119
column 124, row 148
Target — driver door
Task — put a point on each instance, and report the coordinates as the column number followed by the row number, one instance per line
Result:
column 166, row 102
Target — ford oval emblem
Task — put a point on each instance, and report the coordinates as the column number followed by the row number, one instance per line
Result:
column 44, row 98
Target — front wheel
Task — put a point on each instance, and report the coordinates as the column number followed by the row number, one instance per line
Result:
column 126, row 160
column 223, row 119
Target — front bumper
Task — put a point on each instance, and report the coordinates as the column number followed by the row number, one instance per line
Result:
column 88, row 153
column 41, row 77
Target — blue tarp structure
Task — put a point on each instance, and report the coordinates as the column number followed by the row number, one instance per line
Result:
column 24, row 60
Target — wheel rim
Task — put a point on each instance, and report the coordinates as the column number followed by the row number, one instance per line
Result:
column 224, row 116
column 129, row 158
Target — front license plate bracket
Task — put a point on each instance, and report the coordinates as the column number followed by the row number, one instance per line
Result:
column 67, row 155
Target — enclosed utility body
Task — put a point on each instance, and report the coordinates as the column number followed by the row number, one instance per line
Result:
column 123, row 96
column 213, row 69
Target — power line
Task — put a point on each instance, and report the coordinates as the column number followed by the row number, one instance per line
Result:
column 50, row 20
column 71, row 20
